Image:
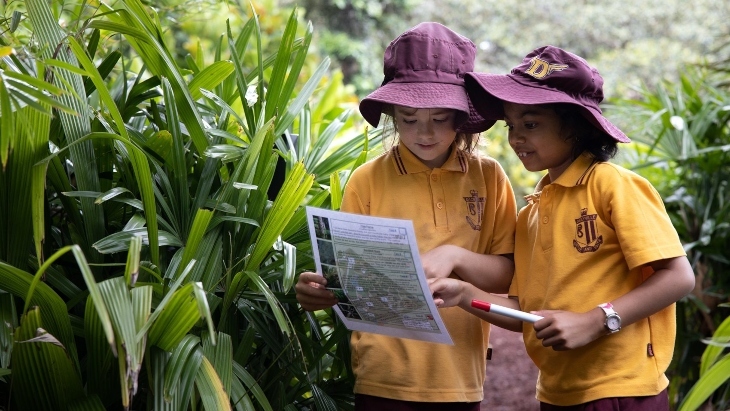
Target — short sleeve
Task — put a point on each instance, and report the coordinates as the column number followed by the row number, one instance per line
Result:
column 639, row 218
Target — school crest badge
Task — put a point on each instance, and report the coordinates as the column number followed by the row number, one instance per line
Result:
column 587, row 239
column 475, row 210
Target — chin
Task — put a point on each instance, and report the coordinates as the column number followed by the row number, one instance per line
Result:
column 532, row 169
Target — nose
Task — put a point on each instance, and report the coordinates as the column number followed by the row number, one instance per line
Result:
column 515, row 138
column 425, row 128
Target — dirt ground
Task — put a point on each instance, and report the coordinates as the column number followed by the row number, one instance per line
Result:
column 511, row 375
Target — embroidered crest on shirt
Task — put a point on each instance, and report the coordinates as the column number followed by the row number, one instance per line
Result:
column 587, row 239
column 475, row 209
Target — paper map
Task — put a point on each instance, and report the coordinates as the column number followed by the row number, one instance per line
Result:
column 373, row 266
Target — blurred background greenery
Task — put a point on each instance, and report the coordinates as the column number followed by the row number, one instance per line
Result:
column 157, row 155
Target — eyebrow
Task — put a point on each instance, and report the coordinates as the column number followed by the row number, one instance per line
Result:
column 438, row 111
column 409, row 111
column 528, row 112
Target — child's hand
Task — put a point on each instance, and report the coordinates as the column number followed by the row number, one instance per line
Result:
column 447, row 292
column 439, row 262
column 565, row 330
column 312, row 294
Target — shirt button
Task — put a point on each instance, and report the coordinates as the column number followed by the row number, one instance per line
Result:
column 545, row 220
column 440, row 205
column 434, row 177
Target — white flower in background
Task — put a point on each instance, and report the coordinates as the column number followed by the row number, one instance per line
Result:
column 252, row 95
column 677, row 122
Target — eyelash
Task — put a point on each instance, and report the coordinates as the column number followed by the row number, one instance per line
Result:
column 436, row 120
column 529, row 126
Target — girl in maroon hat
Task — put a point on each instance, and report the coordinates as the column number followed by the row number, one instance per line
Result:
column 596, row 257
column 463, row 210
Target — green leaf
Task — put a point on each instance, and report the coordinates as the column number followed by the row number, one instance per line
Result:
column 212, row 394
column 7, row 122
column 99, row 354
column 335, row 191
column 52, row 41
column 186, row 359
column 119, row 242
column 41, row 86
column 52, row 308
column 252, row 386
column 177, row 317
column 210, row 77
column 44, row 377
column 274, row 100
column 225, row 152
column 123, row 317
column 114, row 192
column 197, row 232
column 712, row 352
column 158, row 59
column 180, row 363
column 290, row 196
column 324, row 140
column 119, row 28
column 139, row 161
column 8, row 323
column 259, row 285
column 710, row 381
column 290, row 266
column 293, row 109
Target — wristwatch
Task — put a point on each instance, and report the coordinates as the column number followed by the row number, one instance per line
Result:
column 613, row 321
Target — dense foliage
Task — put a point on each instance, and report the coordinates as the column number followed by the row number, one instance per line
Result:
column 151, row 210
column 683, row 131
column 155, row 163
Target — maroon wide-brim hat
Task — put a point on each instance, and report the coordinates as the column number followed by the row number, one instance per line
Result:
column 547, row 75
column 424, row 68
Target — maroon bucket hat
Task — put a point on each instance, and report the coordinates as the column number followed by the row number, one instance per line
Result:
column 424, row 68
column 547, row 75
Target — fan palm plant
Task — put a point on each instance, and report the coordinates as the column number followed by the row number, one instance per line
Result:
column 684, row 149
column 162, row 256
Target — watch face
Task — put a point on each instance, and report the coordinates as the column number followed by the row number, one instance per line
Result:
column 613, row 323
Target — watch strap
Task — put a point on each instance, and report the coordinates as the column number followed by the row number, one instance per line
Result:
column 607, row 308
column 610, row 313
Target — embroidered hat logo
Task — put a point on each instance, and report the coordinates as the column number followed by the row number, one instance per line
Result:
column 540, row 68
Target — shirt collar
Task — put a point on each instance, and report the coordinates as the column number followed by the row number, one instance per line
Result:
column 406, row 162
column 574, row 175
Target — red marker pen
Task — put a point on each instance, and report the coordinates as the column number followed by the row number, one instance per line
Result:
column 507, row 312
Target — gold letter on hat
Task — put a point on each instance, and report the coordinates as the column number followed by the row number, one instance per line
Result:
column 541, row 68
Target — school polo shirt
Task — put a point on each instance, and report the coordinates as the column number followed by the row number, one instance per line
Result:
column 467, row 202
column 582, row 241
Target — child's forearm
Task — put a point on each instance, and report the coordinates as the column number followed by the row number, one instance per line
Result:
column 672, row 279
column 491, row 273
column 473, row 293
column 562, row 330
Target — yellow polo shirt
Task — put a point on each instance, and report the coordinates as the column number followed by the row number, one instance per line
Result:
column 467, row 202
column 582, row 241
